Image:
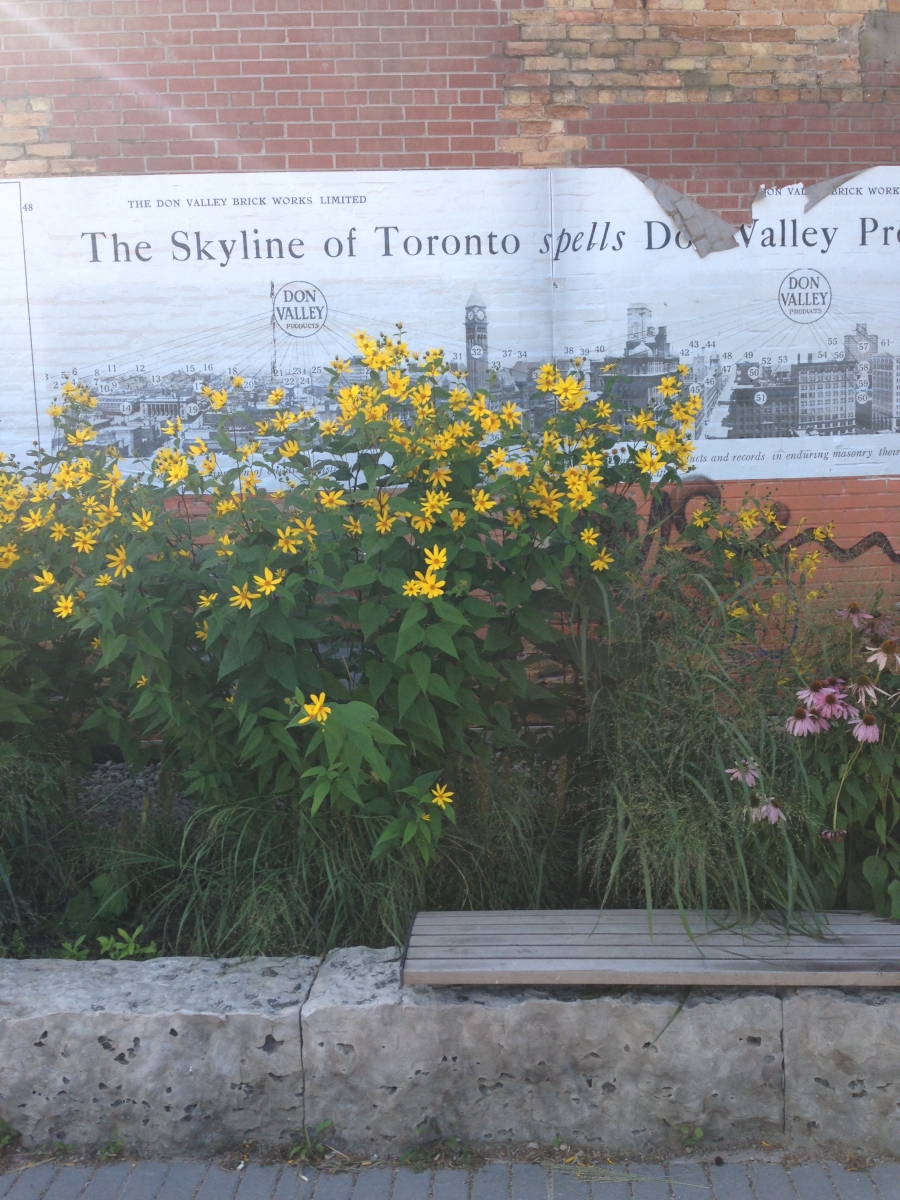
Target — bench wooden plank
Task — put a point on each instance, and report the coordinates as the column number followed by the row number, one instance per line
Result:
column 581, row 946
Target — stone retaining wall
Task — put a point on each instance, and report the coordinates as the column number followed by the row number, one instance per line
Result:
column 175, row 1055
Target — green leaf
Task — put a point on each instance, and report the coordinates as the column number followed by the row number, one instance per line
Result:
column 420, row 665
column 875, row 870
column 372, row 617
column 358, row 576
column 438, row 686
column 408, row 638
column 441, row 638
column 407, row 691
column 379, row 675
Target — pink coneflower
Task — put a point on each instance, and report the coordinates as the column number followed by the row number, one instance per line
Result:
column 865, row 728
column 747, row 772
column 833, row 705
column 854, row 613
column 864, row 690
column 887, row 653
column 833, row 835
column 810, row 694
column 805, row 721
column 771, row 811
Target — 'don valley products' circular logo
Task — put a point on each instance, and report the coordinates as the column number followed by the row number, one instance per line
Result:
column 804, row 296
column 300, row 309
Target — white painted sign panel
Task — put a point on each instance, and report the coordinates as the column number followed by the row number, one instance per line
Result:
column 149, row 287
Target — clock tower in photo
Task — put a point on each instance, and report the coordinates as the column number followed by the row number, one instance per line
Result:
column 476, row 342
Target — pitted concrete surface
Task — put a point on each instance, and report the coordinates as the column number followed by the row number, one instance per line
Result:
column 499, row 1181
column 391, row 1065
column 175, row 1056
column 176, row 1052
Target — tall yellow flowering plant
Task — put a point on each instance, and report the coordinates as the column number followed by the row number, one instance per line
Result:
column 334, row 610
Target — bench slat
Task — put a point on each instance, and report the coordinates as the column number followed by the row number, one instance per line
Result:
column 581, row 946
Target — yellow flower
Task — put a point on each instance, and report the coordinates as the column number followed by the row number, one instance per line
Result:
column 64, row 606
column 426, row 585
column 328, row 428
column 436, row 558
column 353, row 527
column 44, row 581
column 205, row 600
column 306, row 529
column 289, row 449
column 457, row 518
column 643, row 422
column 647, row 460
column 226, row 506
column 602, row 561
column 411, row 588
column 225, row 543
column 275, row 397
column 426, row 816
column 518, row 470
column 58, row 531
column 267, row 582
column 333, row 499
column 142, row 682
column 172, row 427
column 142, row 521
column 36, row 519
column 514, row 518
column 589, row 537
column 546, row 377
column 683, row 369
column 84, row 540
column 200, row 447
column 202, row 632
column 286, row 543
column 510, row 415
column 237, row 381
column 103, row 580
column 117, row 560
column 316, row 710
column 668, row 386
column 441, row 796
column 243, row 597
column 207, row 465
column 384, row 523
column 81, row 436
column 340, row 365
column 422, row 524
column 440, row 476
column 397, row 384
column 481, row 501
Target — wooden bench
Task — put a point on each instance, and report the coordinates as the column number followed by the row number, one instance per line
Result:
column 618, row 946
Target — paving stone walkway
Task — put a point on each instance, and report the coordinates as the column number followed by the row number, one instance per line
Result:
column 679, row 1181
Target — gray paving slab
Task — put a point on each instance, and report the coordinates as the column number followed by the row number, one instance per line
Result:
column 887, row 1180
column 529, row 1182
column 296, row 1183
column 611, row 1189
column 689, row 1182
column 107, row 1182
column 811, row 1182
column 373, row 1183
column 770, row 1182
column 218, row 1184
column 69, row 1183
column 730, row 1182
column 7, row 1181
column 564, row 1185
column 257, row 1182
column 334, row 1187
column 852, row 1185
column 651, row 1182
column 144, row 1182
column 491, row 1183
column 450, row 1184
column 32, row 1183
column 410, row 1185
column 182, row 1181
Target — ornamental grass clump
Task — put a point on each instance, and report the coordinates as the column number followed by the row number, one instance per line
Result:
column 342, row 612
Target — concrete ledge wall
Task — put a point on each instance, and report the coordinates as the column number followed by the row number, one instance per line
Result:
column 177, row 1054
